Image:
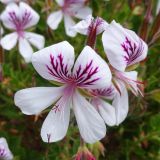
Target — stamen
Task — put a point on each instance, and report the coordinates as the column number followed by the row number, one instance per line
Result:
column 134, row 85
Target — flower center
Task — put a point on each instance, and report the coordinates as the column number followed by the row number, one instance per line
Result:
column 82, row 77
column 68, row 92
column 18, row 23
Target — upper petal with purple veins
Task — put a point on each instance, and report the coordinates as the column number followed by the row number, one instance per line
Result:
column 90, row 70
column 7, row 18
column 55, row 62
column 29, row 17
column 19, row 17
column 122, row 46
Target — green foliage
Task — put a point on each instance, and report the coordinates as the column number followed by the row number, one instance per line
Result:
column 137, row 138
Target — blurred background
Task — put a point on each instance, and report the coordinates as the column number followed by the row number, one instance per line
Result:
column 137, row 138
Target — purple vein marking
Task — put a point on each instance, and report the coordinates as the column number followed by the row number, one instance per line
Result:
column 2, row 152
column 20, row 23
column 132, row 50
column 58, row 69
column 104, row 92
column 82, row 77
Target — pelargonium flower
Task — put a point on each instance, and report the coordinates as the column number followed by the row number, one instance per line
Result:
column 56, row 63
column 5, row 153
column 68, row 10
column 115, row 113
column 124, row 49
column 90, row 24
column 19, row 18
column 91, row 27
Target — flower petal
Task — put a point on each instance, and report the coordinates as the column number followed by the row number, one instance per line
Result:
column 56, row 124
column 5, row 153
column 120, row 103
column 91, row 125
column 69, row 23
column 34, row 17
column 91, row 71
column 60, row 2
column 105, row 93
column 83, row 12
column 35, row 39
column 83, row 26
column 131, row 49
column 54, row 19
column 25, row 49
column 54, row 62
column 5, row 16
column 9, row 41
column 34, row 100
column 106, row 110
column 142, row 46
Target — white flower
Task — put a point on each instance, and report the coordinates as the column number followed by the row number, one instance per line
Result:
column 112, row 114
column 68, row 10
column 89, row 24
column 123, row 49
column 56, row 63
column 5, row 153
column 19, row 18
